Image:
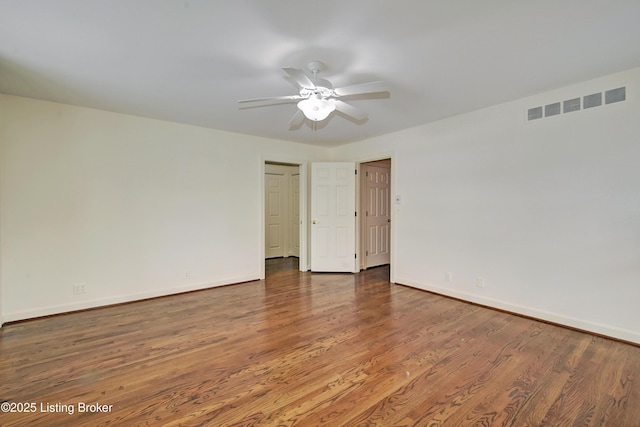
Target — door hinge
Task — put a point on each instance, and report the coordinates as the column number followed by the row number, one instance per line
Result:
column 356, row 171
column 367, row 213
column 355, row 256
column 366, row 253
column 366, row 173
column 356, row 213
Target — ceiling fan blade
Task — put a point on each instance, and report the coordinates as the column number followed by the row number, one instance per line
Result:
column 300, row 77
column 262, row 105
column 350, row 110
column 275, row 98
column 296, row 120
column 371, row 87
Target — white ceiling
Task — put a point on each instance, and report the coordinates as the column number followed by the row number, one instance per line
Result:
column 189, row 61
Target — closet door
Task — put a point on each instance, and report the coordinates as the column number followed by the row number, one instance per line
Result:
column 276, row 218
column 377, row 217
column 294, row 209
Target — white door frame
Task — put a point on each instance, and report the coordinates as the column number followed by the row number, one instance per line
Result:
column 302, row 164
column 394, row 211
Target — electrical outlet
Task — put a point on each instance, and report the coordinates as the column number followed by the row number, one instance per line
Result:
column 448, row 277
column 480, row 282
column 187, row 275
column 80, row 288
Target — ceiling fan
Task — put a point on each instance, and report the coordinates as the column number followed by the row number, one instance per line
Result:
column 317, row 98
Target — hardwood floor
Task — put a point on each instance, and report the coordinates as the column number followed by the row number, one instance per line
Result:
column 308, row 350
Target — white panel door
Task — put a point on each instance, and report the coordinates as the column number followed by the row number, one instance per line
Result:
column 294, row 208
column 377, row 216
column 275, row 215
column 333, row 225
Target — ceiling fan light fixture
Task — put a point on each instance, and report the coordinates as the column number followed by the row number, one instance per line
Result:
column 317, row 98
column 316, row 108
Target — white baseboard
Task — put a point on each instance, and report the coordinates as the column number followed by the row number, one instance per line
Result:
column 83, row 305
column 560, row 319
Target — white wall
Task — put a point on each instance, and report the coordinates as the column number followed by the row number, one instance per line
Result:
column 546, row 212
column 124, row 205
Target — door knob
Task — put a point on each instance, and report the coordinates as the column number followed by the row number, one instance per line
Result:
column 388, row 220
column 314, row 221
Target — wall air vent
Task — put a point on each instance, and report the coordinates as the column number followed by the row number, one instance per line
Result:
column 552, row 109
column 593, row 100
column 615, row 95
column 575, row 104
column 535, row 113
column 571, row 105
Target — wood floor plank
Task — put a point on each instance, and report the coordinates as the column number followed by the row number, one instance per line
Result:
column 303, row 349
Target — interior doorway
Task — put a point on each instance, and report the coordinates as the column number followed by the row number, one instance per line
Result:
column 375, row 208
column 282, row 210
